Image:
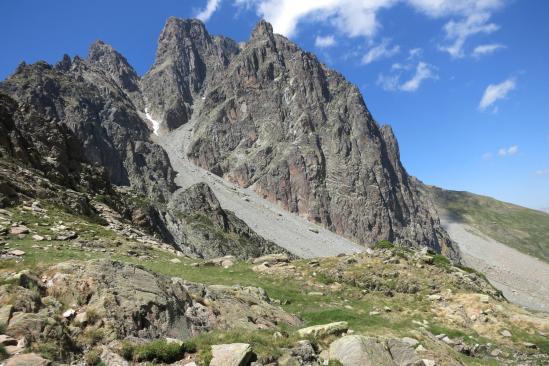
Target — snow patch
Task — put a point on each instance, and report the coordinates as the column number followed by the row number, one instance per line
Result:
column 155, row 123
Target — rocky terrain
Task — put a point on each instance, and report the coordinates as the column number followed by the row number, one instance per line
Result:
column 78, row 290
column 236, row 205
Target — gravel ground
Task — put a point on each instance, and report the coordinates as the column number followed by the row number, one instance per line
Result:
column 288, row 230
column 522, row 279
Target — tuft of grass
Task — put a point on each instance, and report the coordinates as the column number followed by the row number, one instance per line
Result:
column 154, row 351
column 383, row 244
column 93, row 357
column 441, row 261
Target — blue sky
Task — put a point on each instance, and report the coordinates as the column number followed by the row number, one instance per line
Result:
column 465, row 84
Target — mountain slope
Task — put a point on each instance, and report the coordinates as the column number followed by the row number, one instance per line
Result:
column 521, row 228
column 269, row 117
column 273, row 118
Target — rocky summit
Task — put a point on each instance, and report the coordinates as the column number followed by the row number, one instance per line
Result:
column 236, row 205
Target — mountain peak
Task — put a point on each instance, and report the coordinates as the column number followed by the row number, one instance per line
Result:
column 99, row 50
column 262, row 28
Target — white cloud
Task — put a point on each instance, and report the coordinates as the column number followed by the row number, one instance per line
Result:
column 424, row 71
column 353, row 18
column 414, row 53
column 205, row 14
column 388, row 82
column 324, row 41
column 494, row 92
column 543, row 172
column 441, row 8
column 380, row 51
column 509, row 151
column 486, row 49
column 457, row 32
column 359, row 17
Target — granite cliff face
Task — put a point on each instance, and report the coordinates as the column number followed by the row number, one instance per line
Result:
column 81, row 125
column 273, row 118
column 269, row 116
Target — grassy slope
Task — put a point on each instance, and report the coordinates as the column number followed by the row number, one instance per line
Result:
column 521, row 228
column 347, row 302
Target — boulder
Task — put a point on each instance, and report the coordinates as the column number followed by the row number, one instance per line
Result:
column 18, row 230
column 235, row 354
column 16, row 252
column 402, row 352
column 5, row 314
column 324, row 330
column 272, row 259
column 28, row 325
column 27, row 359
column 357, row 350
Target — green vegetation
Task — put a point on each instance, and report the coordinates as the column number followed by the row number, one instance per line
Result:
column 93, row 357
column 3, row 353
column 521, row 228
column 157, row 351
column 350, row 294
column 383, row 244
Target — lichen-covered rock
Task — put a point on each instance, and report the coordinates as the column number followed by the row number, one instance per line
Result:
column 132, row 301
column 357, row 350
column 324, row 330
column 234, row 354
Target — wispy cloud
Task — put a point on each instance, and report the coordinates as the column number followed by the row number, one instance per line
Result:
column 359, row 18
column 502, row 152
column 509, row 151
column 381, row 51
column 457, row 32
column 494, row 92
column 324, row 41
column 542, row 172
column 392, row 82
column 424, row 71
column 486, row 49
column 205, row 14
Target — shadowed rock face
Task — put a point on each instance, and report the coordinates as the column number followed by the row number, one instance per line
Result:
column 89, row 98
column 274, row 118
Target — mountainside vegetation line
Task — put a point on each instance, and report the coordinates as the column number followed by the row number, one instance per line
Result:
column 521, row 228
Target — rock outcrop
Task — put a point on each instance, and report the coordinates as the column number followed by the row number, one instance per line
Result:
column 202, row 228
column 120, row 301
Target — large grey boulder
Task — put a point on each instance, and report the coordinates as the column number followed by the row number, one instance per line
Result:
column 358, row 350
column 234, row 354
